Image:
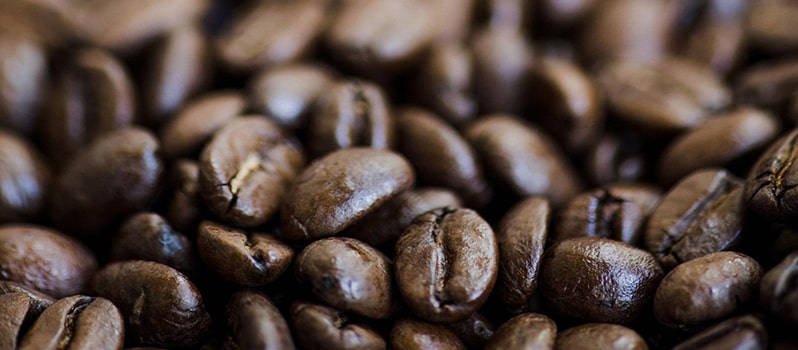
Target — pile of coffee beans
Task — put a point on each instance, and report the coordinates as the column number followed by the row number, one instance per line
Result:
column 403, row 174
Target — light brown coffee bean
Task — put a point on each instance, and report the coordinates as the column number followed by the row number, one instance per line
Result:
column 77, row 322
column 408, row 334
column 600, row 336
column 525, row 331
column 22, row 82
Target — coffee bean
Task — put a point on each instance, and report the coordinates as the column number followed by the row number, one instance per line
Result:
column 717, row 38
column 525, row 331
column 15, row 311
column 600, row 336
column 768, row 85
column 49, row 23
column 706, row 289
column 160, row 305
column 350, row 114
column 444, row 83
column 254, row 323
column 769, row 189
column 45, row 260
column 474, row 331
column 745, row 332
column 446, row 264
column 147, row 236
column 349, row 275
column 598, row 280
column 521, row 236
column 515, row 14
column 771, row 25
column 562, row 16
column 340, row 188
column 77, row 322
column 185, row 207
column 22, row 83
column 408, row 334
column 523, row 158
column 247, row 259
column 501, row 57
column 440, row 156
column 245, row 169
column 627, row 29
column 25, row 177
column 776, row 294
column 318, row 326
column 701, row 214
column 114, row 177
column 38, row 301
column 459, row 15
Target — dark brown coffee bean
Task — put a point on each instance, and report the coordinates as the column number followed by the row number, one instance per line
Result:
column 717, row 38
column 380, row 39
column 440, row 156
column 25, row 179
column 627, row 29
column 199, row 119
column 771, row 25
column 502, row 57
column 45, row 260
column 160, row 305
column 474, row 331
column 745, row 332
column 318, row 327
column 567, row 103
column 414, row 335
column 665, row 97
column 271, row 32
column 521, row 237
column 706, row 289
column 523, row 158
column 246, row 168
column 147, row 236
column 350, row 114
column 559, row 15
column 15, row 311
column 247, row 259
column 337, row 190
column 459, row 16
column 444, row 83
column 92, row 97
column 254, row 323
column 769, row 190
column 718, row 142
column 347, row 274
column 177, row 68
column 51, row 23
column 777, row 294
column 384, row 225
column 185, row 207
column 38, row 301
column 701, row 214
column 617, row 212
column 615, row 159
column 525, row 331
column 769, row 85
column 22, row 82
column 287, row 93
column 598, row 280
column 446, row 264
column 600, row 336
column 116, row 176
column 77, row 322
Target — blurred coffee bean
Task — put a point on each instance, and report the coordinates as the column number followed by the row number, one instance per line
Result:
column 24, row 179
column 408, row 334
column 197, row 121
column 771, row 25
column 51, row 23
column 444, row 83
column 77, row 322
column 745, row 332
column 254, row 323
column 714, row 36
column 318, row 326
column 473, row 331
column 615, row 159
column 769, row 190
column 600, row 336
column 632, row 30
column 22, row 82
column 768, row 85
column 147, row 236
column 563, row 15
column 525, row 331
column 515, row 14
column 777, row 293
column 459, row 15
column 501, row 58
column 185, row 207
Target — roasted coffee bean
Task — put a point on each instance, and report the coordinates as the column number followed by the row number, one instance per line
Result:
column 525, row 331
column 701, row 214
column 91, row 98
column 247, row 259
column 706, row 289
column 627, row 29
column 600, row 336
column 349, row 275
column 501, row 57
column 16, row 309
column 385, row 225
column 160, row 305
column 717, row 142
column 559, row 15
column 38, row 301
column 350, row 114
column 474, row 331
column 22, row 82
column 745, row 332
column 185, row 207
column 771, row 25
column 521, row 237
column 717, row 39
column 198, row 120
column 777, row 292
column 147, row 236
column 271, row 32
column 45, row 260
column 318, row 327
column 245, row 169
column 617, row 212
column 523, row 158
column 662, row 98
column 51, row 23
column 598, row 280
column 446, row 264
column 444, row 84
column 459, row 15
column 440, row 156
column 25, row 179
column 769, row 190
column 287, row 93
column 176, row 70
column 77, row 322
column 116, row 176
column 254, row 323
column 408, row 334
column 379, row 39
column 515, row 14
column 337, row 190
column 768, row 85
